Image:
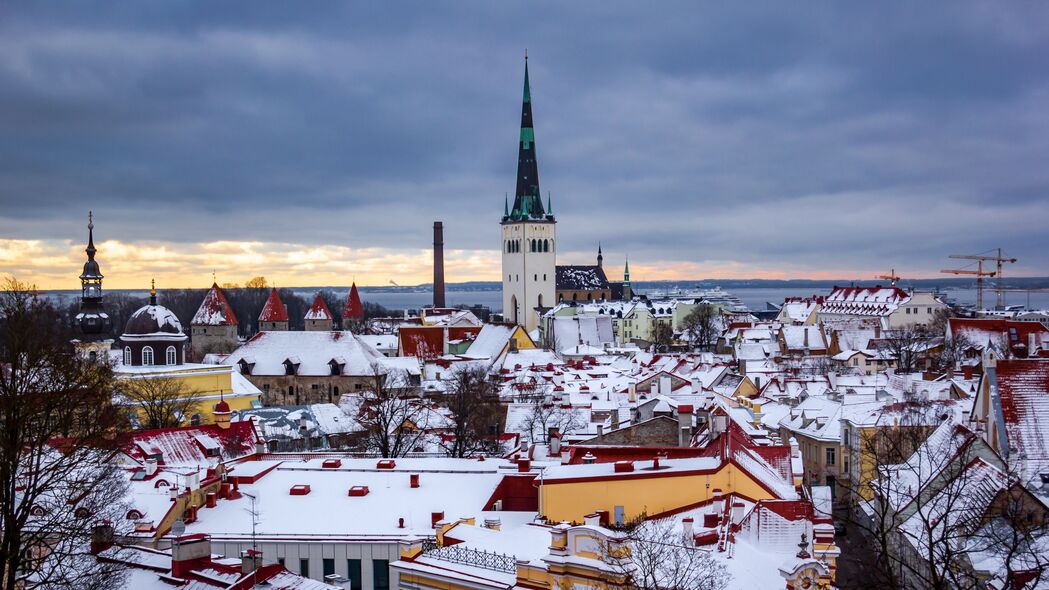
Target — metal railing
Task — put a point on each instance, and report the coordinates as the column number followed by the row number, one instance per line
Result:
column 475, row 557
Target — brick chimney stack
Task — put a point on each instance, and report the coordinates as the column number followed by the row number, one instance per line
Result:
column 438, row 264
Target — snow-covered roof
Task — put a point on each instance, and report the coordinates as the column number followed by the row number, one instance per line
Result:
column 490, row 341
column 215, row 310
column 266, row 352
column 319, row 310
column 581, row 278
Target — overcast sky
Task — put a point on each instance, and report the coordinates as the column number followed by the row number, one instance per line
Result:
column 315, row 143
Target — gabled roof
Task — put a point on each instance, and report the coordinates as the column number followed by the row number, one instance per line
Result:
column 185, row 446
column 1023, row 387
column 266, row 352
column 215, row 310
column 581, row 278
column 319, row 310
column 353, row 309
column 1010, row 333
column 274, row 310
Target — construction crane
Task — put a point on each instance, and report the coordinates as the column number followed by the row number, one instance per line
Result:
column 999, row 260
column 892, row 277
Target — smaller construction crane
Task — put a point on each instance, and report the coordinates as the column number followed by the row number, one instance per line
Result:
column 980, row 274
column 892, row 277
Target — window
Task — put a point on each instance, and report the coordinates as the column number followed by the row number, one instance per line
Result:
column 535, row 277
column 194, row 420
column 357, row 386
column 280, row 560
column 291, row 390
column 147, row 355
column 381, row 574
column 304, row 567
column 171, row 356
column 353, row 572
column 832, row 455
column 127, row 355
column 329, row 566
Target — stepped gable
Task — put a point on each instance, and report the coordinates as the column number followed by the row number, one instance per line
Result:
column 274, row 310
column 353, row 309
column 215, row 310
column 319, row 310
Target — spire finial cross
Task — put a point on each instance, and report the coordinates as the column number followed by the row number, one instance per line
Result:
column 90, row 220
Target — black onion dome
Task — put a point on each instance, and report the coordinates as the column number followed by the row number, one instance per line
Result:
column 152, row 319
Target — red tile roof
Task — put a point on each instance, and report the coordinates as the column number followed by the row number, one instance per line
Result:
column 215, row 310
column 319, row 310
column 274, row 310
column 1011, row 332
column 1023, row 386
column 353, row 308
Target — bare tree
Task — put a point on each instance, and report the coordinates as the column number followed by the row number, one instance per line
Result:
column 662, row 557
column 909, row 346
column 473, row 405
column 161, row 401
column 702, row 326
column 954, row 351
column 925, row 503
column 391, row 412
column 56, row 441
column 662, row 336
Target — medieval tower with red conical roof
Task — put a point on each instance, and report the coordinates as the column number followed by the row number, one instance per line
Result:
column 319, row 318
column 213, row 328
column 274, row 316
column 353, row 311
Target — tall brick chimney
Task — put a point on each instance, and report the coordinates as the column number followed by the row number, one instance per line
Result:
column 438, row 264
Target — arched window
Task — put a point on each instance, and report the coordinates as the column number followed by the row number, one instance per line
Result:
column 147, row 355
column 127, row 355
column 546, row 245
column 336, row 390
column 171, row 356
column 194, row 420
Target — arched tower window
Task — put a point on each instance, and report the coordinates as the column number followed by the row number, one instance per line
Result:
column 171, row 356
column 127, row 355
column 147, row 355
column 546, row 245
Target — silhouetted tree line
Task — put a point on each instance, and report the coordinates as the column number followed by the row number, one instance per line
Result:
column 246, row 302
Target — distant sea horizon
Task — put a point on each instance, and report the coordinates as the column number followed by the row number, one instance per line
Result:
column 754, row 293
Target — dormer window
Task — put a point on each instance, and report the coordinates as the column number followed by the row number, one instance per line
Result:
column 336, row 365
column 291, row 365
column 245, row 366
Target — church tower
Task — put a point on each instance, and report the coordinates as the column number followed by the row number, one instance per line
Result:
column 92, row 322
column 529, row 234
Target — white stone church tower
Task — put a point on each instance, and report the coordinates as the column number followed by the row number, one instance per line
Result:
column 529, row 235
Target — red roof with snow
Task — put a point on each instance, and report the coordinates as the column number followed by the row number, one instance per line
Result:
column 427, row 342
column 215, row 310
column 319, row 310
column 1011, row 332
column 1023, row 386
column 189, row 445
column 353, row 308
column 274, row 310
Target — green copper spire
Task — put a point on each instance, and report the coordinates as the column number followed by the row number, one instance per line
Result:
column 549, row 207
column 506, row 207
column 626, row 272
column 528, row 201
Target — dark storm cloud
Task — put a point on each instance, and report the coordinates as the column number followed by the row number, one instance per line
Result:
column 814, row 136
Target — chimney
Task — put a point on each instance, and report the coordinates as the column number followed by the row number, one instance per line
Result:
column 250, row 560
column 555, row 443
column 688, row 530
column 438, row 264
column 968, row 372
column 413, row 480
column 593, row 519
column 600, row 430
column 190, row 552
column 684, row 420
column 664, row 384
column 1032, row 346
column 151, row 467
column 492, row 523
column 101, row 537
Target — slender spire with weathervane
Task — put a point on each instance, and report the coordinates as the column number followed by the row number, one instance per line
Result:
column 528, row 201
column 92, row 322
